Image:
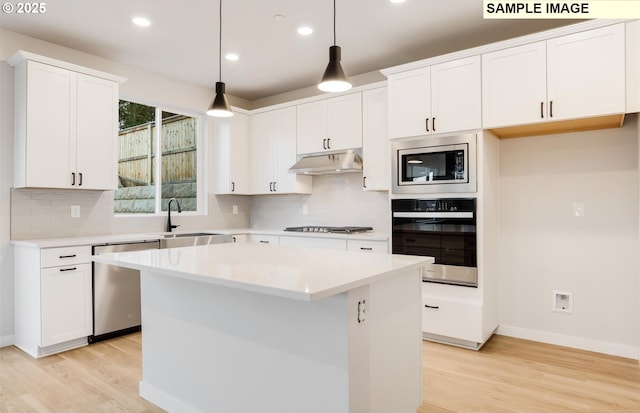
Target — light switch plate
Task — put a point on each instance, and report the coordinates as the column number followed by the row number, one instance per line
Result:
column 75, row 211
column 235, row 210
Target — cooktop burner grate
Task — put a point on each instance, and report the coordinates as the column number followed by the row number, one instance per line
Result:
column 340, row 230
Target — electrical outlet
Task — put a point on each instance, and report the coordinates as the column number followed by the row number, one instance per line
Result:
column 578, row 209
column 235, row 210
column 75, row 211
column 562, row 302
column 305, row 209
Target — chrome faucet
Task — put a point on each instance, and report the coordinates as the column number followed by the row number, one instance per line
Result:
column 169, row 226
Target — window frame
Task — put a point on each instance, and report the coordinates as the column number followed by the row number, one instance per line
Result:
column 201, row 170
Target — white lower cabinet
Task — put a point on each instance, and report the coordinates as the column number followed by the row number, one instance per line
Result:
column 448, row 318
column 53, row 299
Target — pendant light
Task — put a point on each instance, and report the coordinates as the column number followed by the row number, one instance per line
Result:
column 220, row 107
column 334, row 79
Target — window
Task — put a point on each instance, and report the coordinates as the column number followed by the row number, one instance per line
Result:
column 148, row 178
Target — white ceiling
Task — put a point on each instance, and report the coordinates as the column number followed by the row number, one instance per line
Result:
column 182, row 41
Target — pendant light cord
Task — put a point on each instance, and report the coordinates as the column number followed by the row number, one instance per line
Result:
column 334, row 22
column 220, row 46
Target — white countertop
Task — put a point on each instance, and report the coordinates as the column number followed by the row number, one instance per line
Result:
column 104, row 239
column 305, row 274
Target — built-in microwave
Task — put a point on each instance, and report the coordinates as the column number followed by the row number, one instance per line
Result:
column 434, row 164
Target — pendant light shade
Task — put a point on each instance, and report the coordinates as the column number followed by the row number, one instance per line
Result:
column 334, row 78
column 220, row 107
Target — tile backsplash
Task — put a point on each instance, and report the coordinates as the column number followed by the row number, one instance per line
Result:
column 46, row 213
column 337, row 200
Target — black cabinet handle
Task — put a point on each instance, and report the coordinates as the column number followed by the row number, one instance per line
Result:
column 233, row 186
column 271, row 186
column 67, row 256
column 364, row 181
column 234, row 239
column 541, row 110
column 263, row 241
column 328, row 143
column 68, row 269
column 275, row 186
column 324, row 144
column 366, row 248
column 427, row 124
column 433, row 124
column 551, row 108
column 73, row 178
column 80, row 179
column 434, row 307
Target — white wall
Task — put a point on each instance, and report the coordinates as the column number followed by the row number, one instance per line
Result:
column 546, row 248
column 26, row 214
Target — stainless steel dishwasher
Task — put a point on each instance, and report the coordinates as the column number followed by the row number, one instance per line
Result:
column 116, row 293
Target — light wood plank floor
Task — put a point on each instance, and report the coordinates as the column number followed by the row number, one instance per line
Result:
column 507, row 375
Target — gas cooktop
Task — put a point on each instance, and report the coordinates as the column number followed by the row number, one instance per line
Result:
column 340, row 230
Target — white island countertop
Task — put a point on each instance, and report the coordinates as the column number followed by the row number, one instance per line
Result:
column 304, row 274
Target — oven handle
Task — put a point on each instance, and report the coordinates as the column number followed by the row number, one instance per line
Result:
column 433, row 214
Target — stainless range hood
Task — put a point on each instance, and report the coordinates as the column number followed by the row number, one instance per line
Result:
column 328, row 163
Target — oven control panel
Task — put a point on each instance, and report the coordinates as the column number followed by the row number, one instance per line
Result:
column 434, row 205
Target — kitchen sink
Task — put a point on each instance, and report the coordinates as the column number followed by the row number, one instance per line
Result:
column 192, row 239
column 187, row 235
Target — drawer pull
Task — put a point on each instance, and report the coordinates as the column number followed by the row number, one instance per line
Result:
column 434, row 307
column 366, row 248
column 68, row 256
column 263, row 241
column 68, row 269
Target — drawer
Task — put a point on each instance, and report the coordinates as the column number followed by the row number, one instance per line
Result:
column 264, row 239
column 313, row 242
column 456, row 319
column 55, row 257
column 367, row 246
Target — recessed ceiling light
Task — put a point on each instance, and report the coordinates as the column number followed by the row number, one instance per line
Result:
column 305, row 30
column 231, row 56
column 141, row 21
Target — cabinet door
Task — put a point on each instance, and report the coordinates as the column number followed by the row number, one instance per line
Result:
column 586, row 73
column 231, row 152
column 285, row 149
column 50, row 126
column 514, row 86
column 455, row 96
column 97, row 133
column 66, row 303
column 263, row 153
column 312, row 127
column 344, row 122
column 375, row 144
column 409, row 103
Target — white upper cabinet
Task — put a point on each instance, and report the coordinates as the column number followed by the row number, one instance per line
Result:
column 330, row 124
column 514, row 84
column 273, row 148
column 437, row 99
column 375, row 143
column 575, row 76
column 66, row 125
column 230, row 171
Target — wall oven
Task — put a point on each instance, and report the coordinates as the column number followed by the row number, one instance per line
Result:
column 441, row 228
column 434, row 164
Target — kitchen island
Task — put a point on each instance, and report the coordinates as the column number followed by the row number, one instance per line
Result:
column 248, row 328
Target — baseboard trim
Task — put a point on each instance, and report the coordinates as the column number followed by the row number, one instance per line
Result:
column 8, row 340
column 164, row 400
column 581, row 343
